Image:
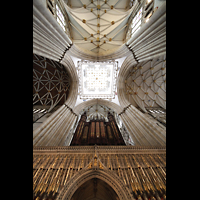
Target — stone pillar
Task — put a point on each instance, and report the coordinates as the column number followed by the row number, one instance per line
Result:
column 142, row 131
column 155, row 134
column 138, row 129
column 65, row 140
column 129, row 126
column 54, row 131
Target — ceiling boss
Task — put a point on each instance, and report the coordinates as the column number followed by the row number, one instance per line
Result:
column 103, row 26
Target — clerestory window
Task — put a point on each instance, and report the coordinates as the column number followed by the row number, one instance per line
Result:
column 136, row 22
column 56, row 9
column 60, row 18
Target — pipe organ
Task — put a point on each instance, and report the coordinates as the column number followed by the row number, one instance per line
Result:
column 97, row 131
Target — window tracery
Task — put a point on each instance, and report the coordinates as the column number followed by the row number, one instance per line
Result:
column 56, row 7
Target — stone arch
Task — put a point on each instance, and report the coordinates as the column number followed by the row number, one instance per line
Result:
column 92, row 102
column 115, row 53
column 86, row 174
column 124, row 70
column 70, row 67
column 115, row 107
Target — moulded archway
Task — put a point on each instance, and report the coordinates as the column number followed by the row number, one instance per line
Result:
column 69, row 65
column 124, row 70
column 85, row 175
column 94, row 189
column 92, row 102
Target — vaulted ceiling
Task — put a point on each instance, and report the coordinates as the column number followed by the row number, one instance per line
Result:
column 98, row 25
column 51, row 82
column 146, row 83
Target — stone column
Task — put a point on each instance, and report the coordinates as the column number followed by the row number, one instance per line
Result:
column 155, row 134
column 66, row 138
column 138, row 129
column 47, row 124
column 142, row 131
column 131, row 130
column 54, row 131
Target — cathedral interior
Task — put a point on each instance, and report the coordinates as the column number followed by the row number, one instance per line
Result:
column 99, row 99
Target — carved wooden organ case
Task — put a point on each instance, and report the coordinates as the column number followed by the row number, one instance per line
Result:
column 97, row 132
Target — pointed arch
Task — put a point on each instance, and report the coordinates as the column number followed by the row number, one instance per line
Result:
column 86, row 174
column 92, row 102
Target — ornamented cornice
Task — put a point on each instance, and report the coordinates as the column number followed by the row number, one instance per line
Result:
column 101, row 149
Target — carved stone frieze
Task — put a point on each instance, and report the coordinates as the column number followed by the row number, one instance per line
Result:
column 132, row 172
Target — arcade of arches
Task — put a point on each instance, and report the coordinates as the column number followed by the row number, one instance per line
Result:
column 113, row 146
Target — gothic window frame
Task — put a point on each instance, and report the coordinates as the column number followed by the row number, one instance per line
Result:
column 57, row 10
